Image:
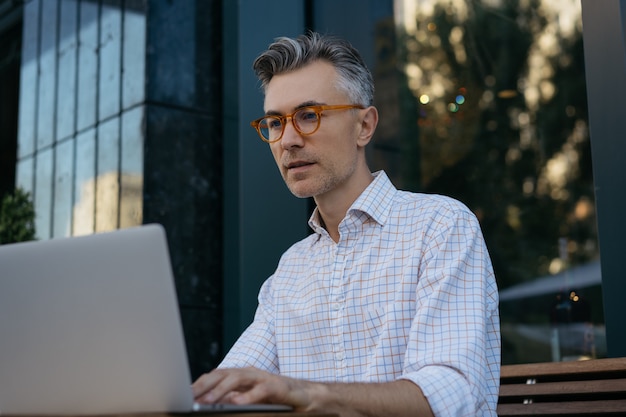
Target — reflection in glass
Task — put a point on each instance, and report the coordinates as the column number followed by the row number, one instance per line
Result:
column 63, row 188
column 499, row 121
column 87, row 64
column 107, row 181
column 43, row 193
column 110, row 59
column 85, row 184
column 134, row 51
column 131, row 178
column 47, row 60
column 28, row 80
column 66, row 88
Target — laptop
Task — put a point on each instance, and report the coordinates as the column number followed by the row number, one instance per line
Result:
column 91, row 325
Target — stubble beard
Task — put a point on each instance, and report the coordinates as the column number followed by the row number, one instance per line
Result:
column 331, row 178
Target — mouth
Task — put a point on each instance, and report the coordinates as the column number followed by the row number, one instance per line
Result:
column 298, row 167
column 298, row 164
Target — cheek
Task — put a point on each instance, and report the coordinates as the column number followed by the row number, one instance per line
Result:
column 342, row 147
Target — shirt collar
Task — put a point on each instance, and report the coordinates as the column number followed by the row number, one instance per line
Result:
column 375, row 201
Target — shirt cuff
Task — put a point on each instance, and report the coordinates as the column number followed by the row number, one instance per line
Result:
column 446, row 390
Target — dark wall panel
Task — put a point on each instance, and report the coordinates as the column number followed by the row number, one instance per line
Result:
column 604, row 31
column 183, row 161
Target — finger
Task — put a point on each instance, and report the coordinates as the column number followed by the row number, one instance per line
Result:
column 223, row 383
column 256, row 394
column 229, row 398
column 265, row 389
column 206, row 383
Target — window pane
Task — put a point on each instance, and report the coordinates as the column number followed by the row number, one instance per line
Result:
column 28, row 80
column 63, row 187
column 66, row 88
column 43, row 193
column 134, row 53
column 110, row 59
column 107, row 183
column 491, row 106
column 85, row 183
column 131, row 177
column 47, row 62
column 87, row 65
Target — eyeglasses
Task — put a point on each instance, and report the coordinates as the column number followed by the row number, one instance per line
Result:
column 306, row 121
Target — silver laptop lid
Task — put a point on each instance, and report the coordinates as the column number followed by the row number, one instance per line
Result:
column 90, row 325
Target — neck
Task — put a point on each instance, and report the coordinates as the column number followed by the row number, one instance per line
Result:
column 333, row 206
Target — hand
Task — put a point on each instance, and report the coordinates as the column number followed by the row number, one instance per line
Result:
column 251, row 385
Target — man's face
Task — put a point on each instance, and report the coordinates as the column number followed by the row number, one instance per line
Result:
column 325, row 161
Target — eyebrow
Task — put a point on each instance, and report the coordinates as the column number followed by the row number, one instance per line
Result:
column 310, row 103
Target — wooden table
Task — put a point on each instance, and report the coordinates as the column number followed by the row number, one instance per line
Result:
column 238, row 414
column 244, row 414
column 212, row 414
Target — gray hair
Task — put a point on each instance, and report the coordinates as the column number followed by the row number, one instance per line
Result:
column 289, row 54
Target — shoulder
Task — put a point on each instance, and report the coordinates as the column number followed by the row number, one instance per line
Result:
column 420, row 206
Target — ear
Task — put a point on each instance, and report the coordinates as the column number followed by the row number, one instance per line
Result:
column 369, row 121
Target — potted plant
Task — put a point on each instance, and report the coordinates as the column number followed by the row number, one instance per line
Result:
column 17, row 217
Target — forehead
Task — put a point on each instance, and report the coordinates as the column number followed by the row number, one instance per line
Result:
column 315, row 82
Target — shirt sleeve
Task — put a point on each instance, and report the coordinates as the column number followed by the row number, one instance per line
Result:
column 453, row 353
column 256, row 346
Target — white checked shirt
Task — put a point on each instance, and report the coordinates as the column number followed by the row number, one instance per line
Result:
column 408, row 292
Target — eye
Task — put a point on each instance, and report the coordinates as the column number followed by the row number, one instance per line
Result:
column 306, row 116
column 273, row 123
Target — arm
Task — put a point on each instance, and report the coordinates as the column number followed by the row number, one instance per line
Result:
column 256, row 347
column 250, row 385
column 454, row 354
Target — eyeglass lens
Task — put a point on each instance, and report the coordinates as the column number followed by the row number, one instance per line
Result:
column 306, row 121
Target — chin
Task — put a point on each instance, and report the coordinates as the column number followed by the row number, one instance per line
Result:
column 301, row 194
column 300, row 190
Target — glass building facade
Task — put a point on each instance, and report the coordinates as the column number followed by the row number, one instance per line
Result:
column 122, row 112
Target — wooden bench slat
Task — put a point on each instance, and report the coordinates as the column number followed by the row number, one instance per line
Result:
column 563, row 408
column 564, row 388
column 594, row 387
column 604, row 366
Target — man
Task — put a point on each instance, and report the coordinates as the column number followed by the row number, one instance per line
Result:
column 390, row 308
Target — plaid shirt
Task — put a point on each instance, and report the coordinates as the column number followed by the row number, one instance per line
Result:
column 408, row 292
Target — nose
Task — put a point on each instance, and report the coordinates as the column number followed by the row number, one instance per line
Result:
column 291, row 137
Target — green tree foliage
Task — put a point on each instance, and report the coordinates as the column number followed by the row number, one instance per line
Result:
column 17, row 218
